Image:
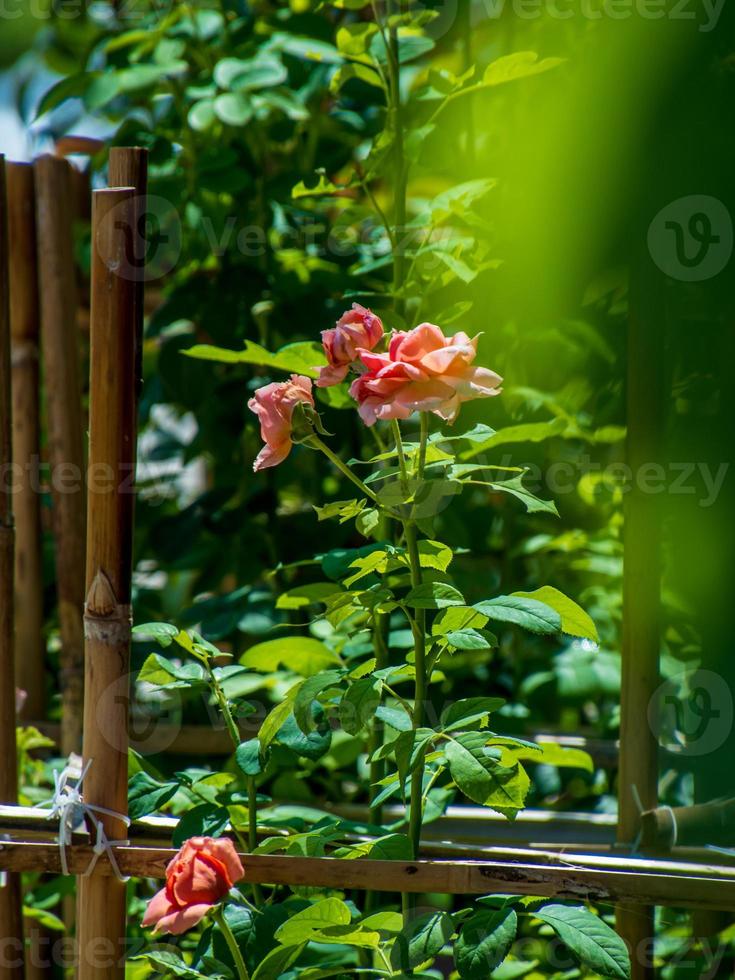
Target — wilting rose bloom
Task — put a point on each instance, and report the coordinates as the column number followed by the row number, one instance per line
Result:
column 423, row 371
column 356, row 329
column 200, row 876
column 274, row 405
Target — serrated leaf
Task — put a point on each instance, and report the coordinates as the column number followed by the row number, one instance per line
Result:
column 307, row 595
column 164, row 633
column 205, row 820
column 467, row 711
column 421, row 940
column 522, row 64
column 574, row 620
column 529, row 432
column 484, row 942
column 457, row 618
column 589, row 938
column 303, row 357
column 434, row 595
column 470, row 639
column 301, row 926
column 163, row 673
column 277, row 962
column 532, row 615
column 481, row 777
column 434, row 554
column 308, row 693
column 359, row 704
column 302, row 654
column 146, row 794
column 248, row 757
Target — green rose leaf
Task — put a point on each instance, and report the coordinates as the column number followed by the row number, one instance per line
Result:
column 588, row 937
column 434, row 595
column 146, row 794
column 301, row 926
column 478, row 774
column 421, row 940
column 531, row 614
column 574, row 620
column 484, row 942
column 468, row 711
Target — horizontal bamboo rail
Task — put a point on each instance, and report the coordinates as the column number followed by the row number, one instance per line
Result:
column 30, row 824
column 659, row 886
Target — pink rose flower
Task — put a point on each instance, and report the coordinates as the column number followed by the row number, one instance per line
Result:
column 200, row 876
column 356, row 329
column 274, row 405
column 423, row 371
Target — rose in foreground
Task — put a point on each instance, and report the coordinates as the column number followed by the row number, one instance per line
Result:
column 358, row 328
column 274, row 405
column 423, row 371
column 200, row 876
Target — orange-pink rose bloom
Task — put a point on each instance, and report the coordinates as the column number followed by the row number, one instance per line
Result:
column 356, row 329
column 274, row 405
column 423, row 371
column 200, row 876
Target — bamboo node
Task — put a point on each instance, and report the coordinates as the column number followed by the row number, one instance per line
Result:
column 105, row 620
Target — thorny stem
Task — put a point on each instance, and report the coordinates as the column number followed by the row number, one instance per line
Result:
column 234, row 734
column 242, row 970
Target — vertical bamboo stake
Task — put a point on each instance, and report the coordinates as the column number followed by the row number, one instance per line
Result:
column 29, row 668
column 112, row 445
column 128, row 167
column 59, row 341
column 638, row 773
column 11, row 922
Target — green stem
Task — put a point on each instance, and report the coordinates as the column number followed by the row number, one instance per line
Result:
column 234, row 734
column 423, row 444
column 401, row 455
column 317, row 443
column 377, row 767
column 419, row 637
column 242, row 970
column 224, row 707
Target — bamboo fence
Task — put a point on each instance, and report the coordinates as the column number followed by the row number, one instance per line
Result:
column 465, row 853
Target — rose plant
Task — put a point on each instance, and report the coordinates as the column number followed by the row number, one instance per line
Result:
column 417, row 751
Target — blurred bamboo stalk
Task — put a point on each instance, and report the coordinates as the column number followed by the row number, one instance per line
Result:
column 11, row 922
column 24, row 317
column 638, row 773
column 101, row 905
column 59, row 342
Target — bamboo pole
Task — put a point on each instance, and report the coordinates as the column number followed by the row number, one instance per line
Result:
column 60, row 345
column 107, row 624
column 128, row 167
column 563, row 880
column 638, row 774
column 11, row 922
column 24, row 316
